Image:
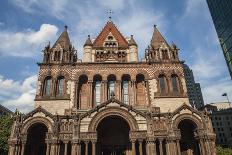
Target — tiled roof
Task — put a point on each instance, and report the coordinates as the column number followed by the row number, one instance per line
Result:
column 110, row 27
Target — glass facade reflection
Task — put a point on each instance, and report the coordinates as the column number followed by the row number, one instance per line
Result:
column 221, row 12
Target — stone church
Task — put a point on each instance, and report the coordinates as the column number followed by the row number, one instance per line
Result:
column 112, row 103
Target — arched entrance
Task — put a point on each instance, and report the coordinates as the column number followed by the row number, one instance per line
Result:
column 188, row 143
column 113, row 136
column 36, row 135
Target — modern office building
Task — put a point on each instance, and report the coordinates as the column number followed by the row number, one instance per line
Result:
column 221, row 116
column 193, row 88
column 221, row 12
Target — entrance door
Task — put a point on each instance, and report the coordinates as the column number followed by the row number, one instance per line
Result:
column 113, row 136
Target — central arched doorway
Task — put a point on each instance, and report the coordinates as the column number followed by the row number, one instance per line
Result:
column 36, row 135
column 188, row 143
column 113, row 136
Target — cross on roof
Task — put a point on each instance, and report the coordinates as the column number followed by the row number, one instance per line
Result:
column 110, row 12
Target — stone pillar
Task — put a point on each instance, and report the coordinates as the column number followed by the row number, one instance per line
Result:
column 86, row 147
column 104, row 91
column 178, row 147
column 118, row 90
column 11, row 149
column 141, row 147
column 90, row 94
column 74, row 149
column 48, row 149
column 161, row 146
column 134, row 92
column 202, row 147
column 93, row 147
column 65, row 147
column 150, row 148
column 167, row 148
column 53, row 149
column 133, row 147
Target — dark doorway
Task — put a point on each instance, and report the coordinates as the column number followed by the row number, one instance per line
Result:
column 36, row 139
column 188, row 143
column 113, row 136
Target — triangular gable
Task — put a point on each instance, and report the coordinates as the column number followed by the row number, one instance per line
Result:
column 185, row 106
column 113, row 100
column 37, row 110
column 63, row 40
column 110, row 27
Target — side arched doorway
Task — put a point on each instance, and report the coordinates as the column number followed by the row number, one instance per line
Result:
column 188, row 143
column 36, row 135
column 113, row 136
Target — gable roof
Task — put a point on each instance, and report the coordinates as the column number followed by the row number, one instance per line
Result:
column 157, row 39
column 110, row 27
column 37, row 110
column 64, row 40
column 113, row 100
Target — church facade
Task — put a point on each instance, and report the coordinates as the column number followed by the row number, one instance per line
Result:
column 110, row 103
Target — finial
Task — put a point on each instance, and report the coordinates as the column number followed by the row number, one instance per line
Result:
column 132, row 36
column 89, row 36
column 110, row 12
column 65, row 27
column 155, row 25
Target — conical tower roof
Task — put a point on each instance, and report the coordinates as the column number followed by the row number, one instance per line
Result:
column 64, row 40
column 132, row 41
column 88, row 42
column 157, row 39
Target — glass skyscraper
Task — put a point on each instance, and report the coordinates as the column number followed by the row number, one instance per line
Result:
column 221, row 12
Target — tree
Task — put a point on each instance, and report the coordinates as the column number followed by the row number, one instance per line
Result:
column 5, row 128
column 223, row 151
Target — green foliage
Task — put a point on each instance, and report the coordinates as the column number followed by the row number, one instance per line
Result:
column 5, row 128
column 224, row 151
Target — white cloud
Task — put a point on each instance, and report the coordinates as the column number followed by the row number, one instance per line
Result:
column 28, row 43
column 18, row 94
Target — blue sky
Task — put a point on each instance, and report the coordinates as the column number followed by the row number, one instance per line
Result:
column 26, row 26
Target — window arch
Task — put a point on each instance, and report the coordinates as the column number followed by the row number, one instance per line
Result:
column 125, row 88
column 97, row 82
column 165, row 54
column 60, row 86
column 47, row 86
column 162, row 84
column 175, row 83
column 111, row 85
column 140, row 89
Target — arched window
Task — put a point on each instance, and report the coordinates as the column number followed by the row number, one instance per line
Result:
column 162, row 85
column 82, row 92
column 47, row 86
column 125, row 89
column 165, row 55
column 111, row 85
column 97, row 90
column 175, row 84
column 140, row 90
column 60, row 86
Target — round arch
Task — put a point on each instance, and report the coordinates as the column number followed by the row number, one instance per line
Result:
column 189, row 117
column 36, row 120
column 113, row 112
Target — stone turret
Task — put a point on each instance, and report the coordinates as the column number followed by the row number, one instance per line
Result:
column 87, row 57
column 133, row 50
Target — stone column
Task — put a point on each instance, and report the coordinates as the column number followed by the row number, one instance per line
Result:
column 134, row 92
column 86, row 147
column 141, row 147
column 90, row 105
column 202, row 147
column 93, row 147
column 167, row 147
column 74, row 149
column 48, row 148
column 133, row 147
column 150, row 148
column 161, row 146
column 65, row 147
column 11, row 149
column 104, row 91
column 118, row 90
column 178, row 147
